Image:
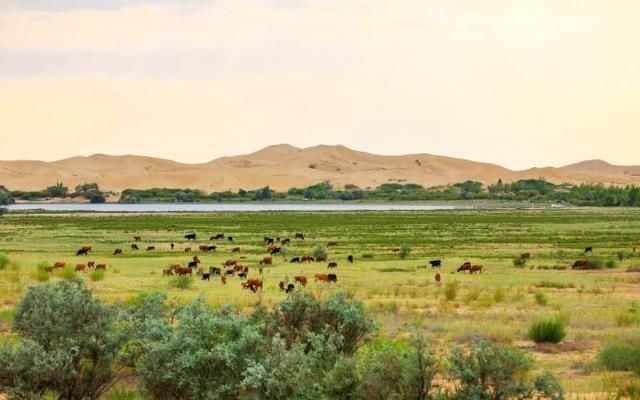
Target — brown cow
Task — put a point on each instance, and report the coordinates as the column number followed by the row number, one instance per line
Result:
column 223, row 279
column 59, row 264
column 83, row 251
column 525, row 256
column 475, row 268
column 321, row 278
column 266, row 261
column 203, row 247
column 581, row 264
column 101, row 266
column 271, row 248
column 229, row 263
column 437, row 278
column 167, row 272
column 301, row 279
column 80, row 267
column 236, row 250
column 322, row 258
column 465, row 267
column 91, row 264
column 187, row 249
column 395, row 249
column 306, row 259
column 184, row 271
column 281, row 286
column 332, row 264
column 137, row 238
column 332, row 243
column 299, row 235
column 252, row 284
column 117, row 252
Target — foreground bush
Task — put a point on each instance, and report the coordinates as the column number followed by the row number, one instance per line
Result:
column 547, row 331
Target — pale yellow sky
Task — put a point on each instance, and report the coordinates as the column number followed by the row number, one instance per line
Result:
column 518, row 83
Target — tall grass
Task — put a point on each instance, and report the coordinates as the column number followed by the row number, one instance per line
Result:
column 547, row 331
column 97, row 275
column 181, row 282
column 451, row 290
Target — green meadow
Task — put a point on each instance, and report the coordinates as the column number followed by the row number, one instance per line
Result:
column 397, row 287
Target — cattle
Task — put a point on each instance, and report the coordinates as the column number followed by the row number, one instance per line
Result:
column 137, row 238
column 184, row 271
column 332, row 243
column 350, row 259
column 306, row 259
column 151, row 248
column 465, row 267
column 59, row 264
column 230, row 238
column 252, row 284
column 395, row 249
column 193, row 264
column 172, row 245
column 230, row 271
column 332, row 278
column 266, row 261
column 190, row 236
column 295, row 260
column 275, row 251
column 215, row 271
column 321, row 277
column 332, row 264
column 244, row 273
column 101, row 266
column 525, row 256
column 268, row 240
column 235, row 250
column 187, row 249
column 83, row 251
column 117, row 252
column 175, row 267
column 299, row 235
column 281, row 285
column 167, row 272
column 438, row 278
column 475, row 268
column 203, row 247
column 229, row 263
column 301, row 279
column 205, row 276
column 285, row 241
column 580, row 264
column 80, row 267
column 219, row 236
column 588, row 250
column 290, row 288
column 435, row 263
column 134, row 246
column 211, row 248
column 223, row 279
column 91, row 264
column 322, row 258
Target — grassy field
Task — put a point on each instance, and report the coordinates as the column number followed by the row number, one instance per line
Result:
column 500, row 303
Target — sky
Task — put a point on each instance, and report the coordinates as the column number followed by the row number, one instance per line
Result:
column 519, row 83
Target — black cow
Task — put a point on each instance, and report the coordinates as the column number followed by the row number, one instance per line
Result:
column 134, row 246
column 295, row 260
column 268, row 240
column 588, row 250
column 190, row 236
column 205, row 276
column 290, row 288
column 332, row 278
column 172, row 246
column 82, row 252
column 193, row 264
column 435, row 263
column 215, row 271
column 230, row 238
column 350, row 259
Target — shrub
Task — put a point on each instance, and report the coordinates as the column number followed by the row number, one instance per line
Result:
column 68, row 273
column 319, row 251
column 405, row 250
column 618, row 356
column 519, row 262
column 451, row 290
column 181, row 282
column 547, row 331
column 610, row 264
column 96, row 275
column 622, row 255
column 541, row 298
column 41, row 275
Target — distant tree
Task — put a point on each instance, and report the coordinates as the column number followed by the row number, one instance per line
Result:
column 5, row 199
column 263, row 194
column 97, row 198
column 59, row 190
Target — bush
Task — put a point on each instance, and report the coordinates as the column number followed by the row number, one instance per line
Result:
column 541, row 298
column 547, row 331
column 622, row 255
column 611, row 264
column 618, row 356
column 68, row 273
column 41, row 275
column 181, row 282
column 405, row 250
column 319, row 251
column 451, row 290
column 96, row 275
column 519, row 262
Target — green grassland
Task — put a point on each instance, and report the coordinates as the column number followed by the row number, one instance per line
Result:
column 500, row 303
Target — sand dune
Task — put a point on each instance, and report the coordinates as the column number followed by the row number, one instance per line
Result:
column 284, row 166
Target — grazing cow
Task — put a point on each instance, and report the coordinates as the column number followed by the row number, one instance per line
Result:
column 172, row 245
column 465, row 267
column 252, row 284
column 588, row 250
column 332, row 278
column 299, row 235
column 395, row 249
column 211, row 248
column 190, row 236
column 306, row 259
column 203, row 247
column 151, row 248
column 230, row 238
column 525, row 256
column 193, row 264
column 267, row 261
column 321, row 277
column 137, row 238
column 350, row 259
column 184, row 271
column 215, row 271
column 281, row 285
column 206, row 249
column 236, row 250
column 117, row 252
column 244, row 273
column 223, row 279
column 219, row 236
column 167, row 272
column 83, row 251
column 80, row 267
column 290, row 288
column 134, row 246
column 322, row 258
column 285, row 241
column 301, row 279
column 205, row 276
column 332, row 264
column 175, row 267
column 435, row 263
column 268, row 240
column 438, row 278
column 187, row 249
column 332, row 243
column 475, row 268
column 580, row 264
column 91, row 264
column 295, row 260
column 275, row 251
column 59, row 264
column 101, row 266
column 229, row 263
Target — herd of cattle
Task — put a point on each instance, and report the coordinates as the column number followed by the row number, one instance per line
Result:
column 274, row 246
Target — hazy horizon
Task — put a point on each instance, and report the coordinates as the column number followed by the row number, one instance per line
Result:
column 519, row 84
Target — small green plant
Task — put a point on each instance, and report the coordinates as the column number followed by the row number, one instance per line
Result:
column 68, row 273
column 619, row 356
column 519, row 262
column 320, row 251
column 181, row 282
column 451, row 290
column 610, row 263
column 96, row 275
column 541, row 298
column 547, row 331
column 405, row 250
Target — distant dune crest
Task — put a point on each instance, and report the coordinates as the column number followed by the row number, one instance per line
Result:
column 284, row 166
